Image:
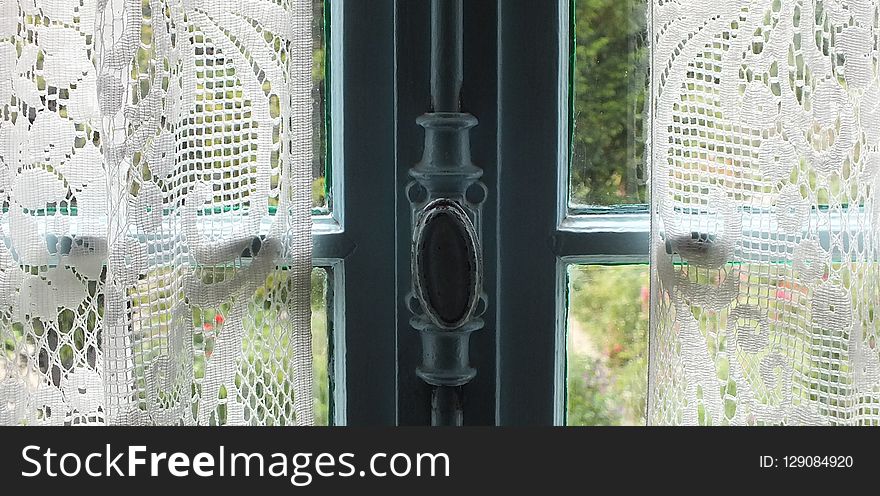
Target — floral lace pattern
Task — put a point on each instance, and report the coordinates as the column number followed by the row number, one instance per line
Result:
column 765, row 152
column 154, row 174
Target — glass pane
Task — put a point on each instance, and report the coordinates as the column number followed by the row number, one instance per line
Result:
column 320, row 109
column 609, row 87
column 320, row 345
column 607, row 339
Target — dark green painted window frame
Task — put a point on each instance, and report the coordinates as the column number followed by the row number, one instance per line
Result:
column 534, row 109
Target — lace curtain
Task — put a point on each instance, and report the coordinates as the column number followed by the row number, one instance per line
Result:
column 765, row 150
column 155, row 164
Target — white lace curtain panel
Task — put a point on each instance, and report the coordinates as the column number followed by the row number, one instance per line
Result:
column 155, row 164
column 765, row 150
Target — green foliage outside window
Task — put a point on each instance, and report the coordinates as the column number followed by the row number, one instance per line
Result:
column 320, row 347
column 607, row 345
column 609, row 91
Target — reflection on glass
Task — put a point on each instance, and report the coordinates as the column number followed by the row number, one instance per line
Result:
column 320, row 346
column 320, row 187
column 607, row 343
column 609, row 89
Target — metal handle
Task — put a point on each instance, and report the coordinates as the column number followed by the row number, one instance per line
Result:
column 446, row 198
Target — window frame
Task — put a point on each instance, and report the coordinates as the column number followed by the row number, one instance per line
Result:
column 534, row 102
column 353, row 238
column 522, row 104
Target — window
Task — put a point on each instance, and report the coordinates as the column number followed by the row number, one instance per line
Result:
column 352, row 229
column 559, row 89
column 321, row 108
column 607, row 313
column 571, row 337
column 556, row 221
column 322, row 276
column 608, row 89
column 371, row 83
column 607, row 344
column 188, row 119
column 321, row 330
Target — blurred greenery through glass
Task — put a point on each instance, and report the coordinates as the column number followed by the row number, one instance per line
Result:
column 320, row 108
column 321, row 345
column 609, row 81
column 206, row 319
column 607, row 339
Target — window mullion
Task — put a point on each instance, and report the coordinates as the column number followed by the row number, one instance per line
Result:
column 363, row 95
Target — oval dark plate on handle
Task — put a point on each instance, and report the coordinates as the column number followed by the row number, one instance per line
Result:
column 447, row 266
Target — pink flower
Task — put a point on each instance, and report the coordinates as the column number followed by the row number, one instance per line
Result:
column 615, row 350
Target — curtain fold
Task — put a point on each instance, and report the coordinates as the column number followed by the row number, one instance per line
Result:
column 155, row 165
column 765, row 149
